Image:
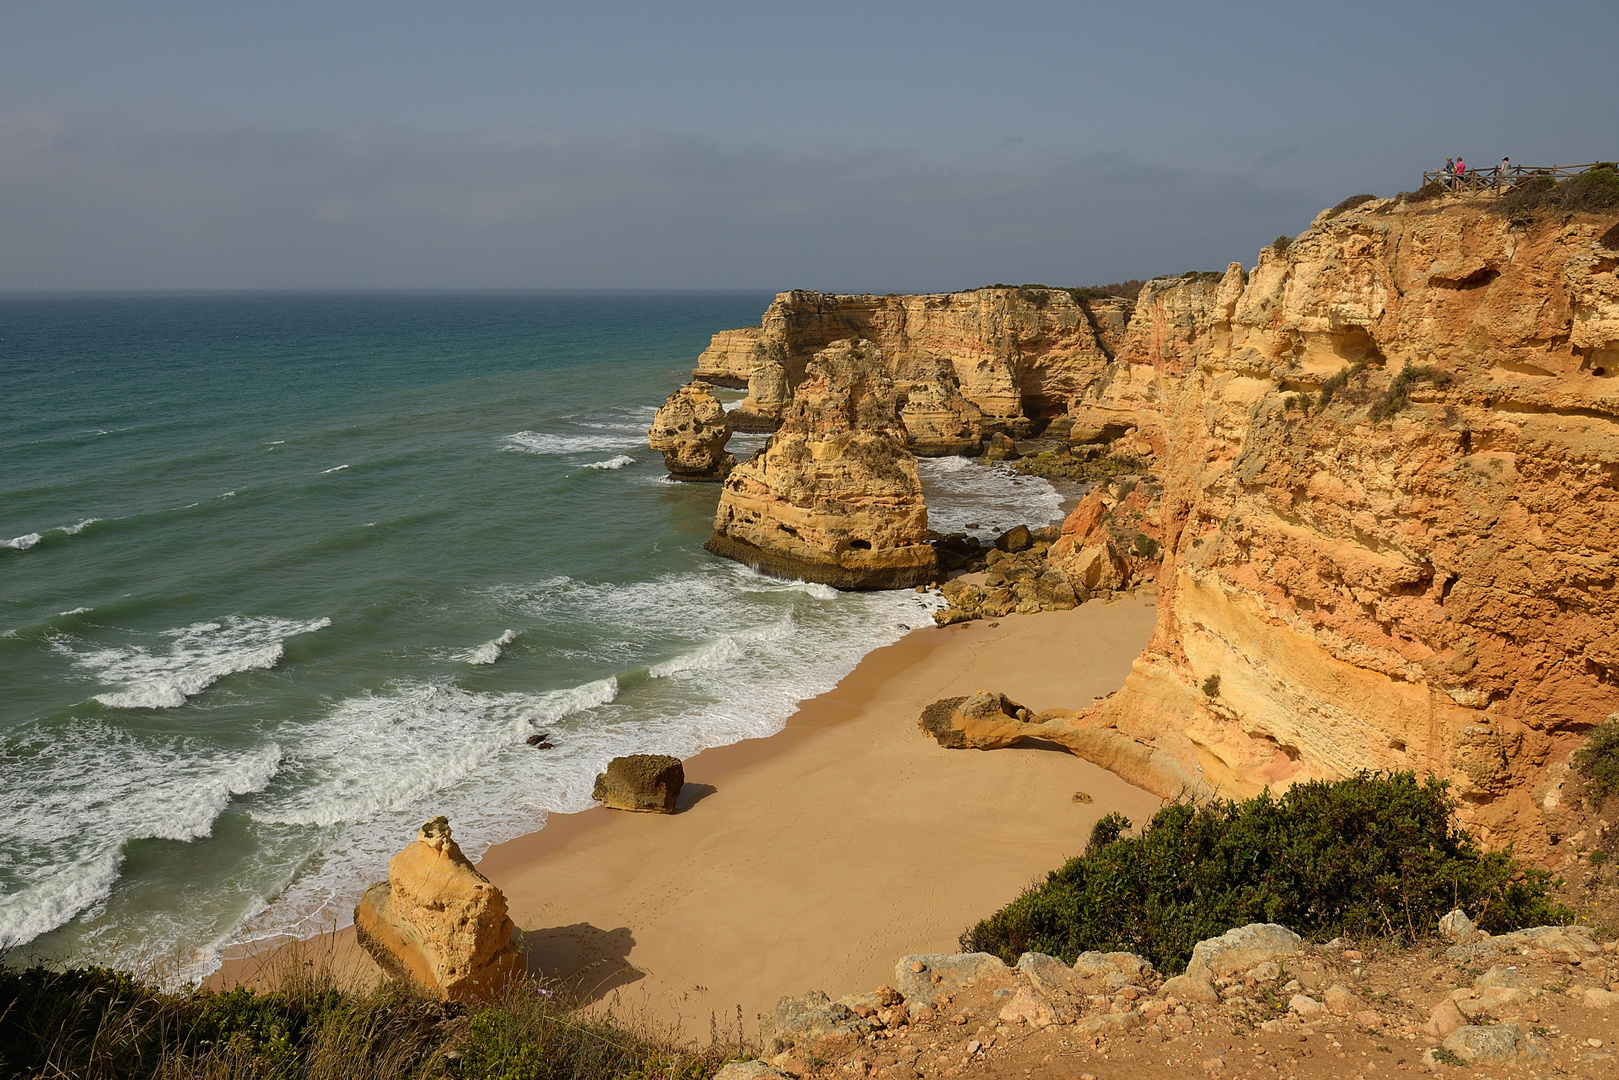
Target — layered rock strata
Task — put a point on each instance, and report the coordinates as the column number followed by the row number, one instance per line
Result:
column 768, row 390
column 833, row 496
column 690, row 431
column 728, row 358
column 437, row 922
column 1019, row 355
column 939, row 421
column 1389, row 457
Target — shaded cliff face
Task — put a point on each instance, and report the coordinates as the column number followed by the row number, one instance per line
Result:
column 1366, row 569
column 833, row 496
column 1019, row 354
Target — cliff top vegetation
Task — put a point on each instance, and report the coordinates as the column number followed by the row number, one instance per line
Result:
column 1373, row 856
column 97, row 1024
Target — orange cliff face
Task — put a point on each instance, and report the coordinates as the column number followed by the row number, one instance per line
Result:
column 1018, row 354
column 1370, row 570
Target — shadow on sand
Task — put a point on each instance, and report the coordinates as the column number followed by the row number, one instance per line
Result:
column 588, row 961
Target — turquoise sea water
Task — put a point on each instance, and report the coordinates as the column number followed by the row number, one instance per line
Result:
column 282, row 576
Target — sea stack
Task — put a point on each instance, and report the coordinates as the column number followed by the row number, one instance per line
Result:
column 690, row 431
column 437, row 922
column 833, row 497
column 768, row 390
column 939, row 422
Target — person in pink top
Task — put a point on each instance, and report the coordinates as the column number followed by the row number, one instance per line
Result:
column 1461, row 172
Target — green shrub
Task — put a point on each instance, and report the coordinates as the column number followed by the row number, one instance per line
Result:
column 1339, row 381
column 1597, row 762
column 1350, row 203
column 1211, row 685
column 1129, row 289
column 1590, row 192
column 1280, row 244
column 1398, row 394
column 1371, row 856
column 1145, row 546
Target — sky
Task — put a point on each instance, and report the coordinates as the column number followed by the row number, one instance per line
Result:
column 888, row 147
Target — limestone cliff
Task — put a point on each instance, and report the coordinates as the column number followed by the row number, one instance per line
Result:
column 1390, row 510
column 439, row 923
column 690, row 431
column 728, row 358
column 939, row 421
column 1019, row 355
column 833, row 496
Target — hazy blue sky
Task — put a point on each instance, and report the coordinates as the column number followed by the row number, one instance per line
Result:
column 884, row 146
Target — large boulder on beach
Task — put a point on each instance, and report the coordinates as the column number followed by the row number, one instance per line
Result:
column 648, row 783
column 834, row 496
column 438, row 923
column 690, row 431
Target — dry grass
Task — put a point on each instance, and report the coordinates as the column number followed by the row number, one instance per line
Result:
column 308, row 1021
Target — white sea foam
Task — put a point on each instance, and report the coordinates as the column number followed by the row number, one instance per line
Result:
column 226, row 495
column 195, row 658
column 746, row 649
column 715, row 654
column 334, row 468
column 23, row 543
column 612, row 463
column 75, row 797
column 386, row 752
column 76, row 611
column 538, row 442
column 961, row 492
column 489, row 651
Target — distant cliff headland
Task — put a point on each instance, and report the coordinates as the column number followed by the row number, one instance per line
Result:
column 1376, row 477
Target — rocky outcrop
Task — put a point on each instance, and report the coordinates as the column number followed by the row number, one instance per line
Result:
column 728, row 358
column 690, row 431
column 833, row 496
column 939, row 422
column 1162, row 762
column 768, row 390
column 437, row 922
column 1389, row 457
column 1019, row 355
column 649, row 783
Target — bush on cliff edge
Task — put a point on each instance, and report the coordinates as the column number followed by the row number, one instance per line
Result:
column 1371, row 856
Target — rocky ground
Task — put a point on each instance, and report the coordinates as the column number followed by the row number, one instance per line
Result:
column 1533, row 1004
column 1536, row 1003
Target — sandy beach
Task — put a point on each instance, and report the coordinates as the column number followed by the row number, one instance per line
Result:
column 816, row 858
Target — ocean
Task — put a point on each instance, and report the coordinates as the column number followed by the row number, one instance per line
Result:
column 282, row 576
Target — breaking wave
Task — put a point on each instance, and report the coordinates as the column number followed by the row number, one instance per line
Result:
column 196, row 657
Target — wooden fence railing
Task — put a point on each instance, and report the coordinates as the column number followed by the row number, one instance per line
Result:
column 1493, row 181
